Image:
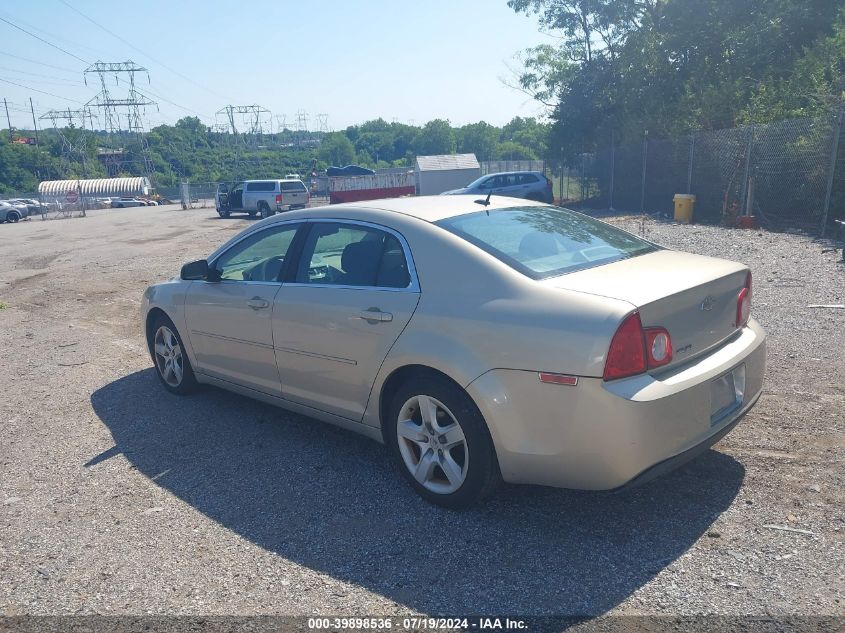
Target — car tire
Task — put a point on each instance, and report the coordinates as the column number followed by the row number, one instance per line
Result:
column 223, row 214
column 13, row 216
column 451, row 438
column 264, row 210
column 172, row 365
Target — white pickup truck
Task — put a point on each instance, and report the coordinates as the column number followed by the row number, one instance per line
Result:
column 261, row 197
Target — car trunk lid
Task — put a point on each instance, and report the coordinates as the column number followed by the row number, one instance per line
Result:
column 692, row 296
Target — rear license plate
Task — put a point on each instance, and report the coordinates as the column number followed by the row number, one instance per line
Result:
column 726, row 394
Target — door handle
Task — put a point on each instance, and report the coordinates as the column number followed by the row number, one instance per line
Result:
column 374, row 315
column 257, row 303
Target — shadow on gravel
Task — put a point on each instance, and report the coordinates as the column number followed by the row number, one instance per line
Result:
column 330, row 500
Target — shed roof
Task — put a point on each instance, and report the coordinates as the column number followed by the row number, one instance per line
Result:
column 447, row 161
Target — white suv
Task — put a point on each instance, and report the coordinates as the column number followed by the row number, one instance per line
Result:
column 264, row 197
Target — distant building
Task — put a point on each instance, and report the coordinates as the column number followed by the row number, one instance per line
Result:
column 436, row 174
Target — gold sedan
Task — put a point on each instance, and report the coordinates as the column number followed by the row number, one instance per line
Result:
column 481, row 340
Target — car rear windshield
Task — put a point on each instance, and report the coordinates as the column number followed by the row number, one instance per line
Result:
column 543, row 242
column 293, row 186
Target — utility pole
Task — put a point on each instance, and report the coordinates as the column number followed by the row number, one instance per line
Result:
column 691, row 159
column 645, row 171
column 8, row 120
column 34, row 124
column 747, row 175
column 612, row 165
column 834, row 154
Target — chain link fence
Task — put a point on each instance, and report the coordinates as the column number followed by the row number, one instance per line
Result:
column 496, row 166
column 789, row 174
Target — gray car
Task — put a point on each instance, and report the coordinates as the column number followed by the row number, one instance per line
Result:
column 11, row 211
column 531, row 185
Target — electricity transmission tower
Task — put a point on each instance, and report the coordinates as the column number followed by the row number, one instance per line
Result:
column 323, row 122
column 70, row 125
column 255, row 120
column 134, row 104
column 301, row 126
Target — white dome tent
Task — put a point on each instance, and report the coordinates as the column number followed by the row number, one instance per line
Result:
column 135, row 186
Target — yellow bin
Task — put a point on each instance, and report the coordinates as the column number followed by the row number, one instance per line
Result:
column 684, row 205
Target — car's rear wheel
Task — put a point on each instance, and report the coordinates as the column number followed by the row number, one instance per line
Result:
column 172, row 364
column 13, row 216
column 441, row 443
column 264, row 209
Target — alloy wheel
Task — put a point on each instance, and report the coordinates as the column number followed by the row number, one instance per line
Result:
column 432, row 444
column 168, row 355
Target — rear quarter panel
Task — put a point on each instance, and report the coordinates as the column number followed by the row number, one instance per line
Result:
column 476, row 314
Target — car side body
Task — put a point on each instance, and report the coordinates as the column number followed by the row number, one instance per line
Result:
column 123, row 203
column 12, row 211
column 473, row 320
column 531, row 185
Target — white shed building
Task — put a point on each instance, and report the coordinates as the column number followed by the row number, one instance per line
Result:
column 137, row 186
column 436, row 174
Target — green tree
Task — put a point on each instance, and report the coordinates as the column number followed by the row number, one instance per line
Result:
column 336, row 149
column 480, row 139
column 436, row 137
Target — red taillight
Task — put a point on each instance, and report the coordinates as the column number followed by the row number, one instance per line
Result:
column 635, row 349
column 626, row 356
column 278, row 198
column 743, row 303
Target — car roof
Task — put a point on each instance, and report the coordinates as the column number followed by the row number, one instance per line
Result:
column 427, row 208
column 510, row 173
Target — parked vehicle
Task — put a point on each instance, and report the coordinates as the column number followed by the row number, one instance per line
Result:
column 264, row 197
column 11, row 211
column 33, row 206
column 513, row 340
column 532, row 185
column 122, row 203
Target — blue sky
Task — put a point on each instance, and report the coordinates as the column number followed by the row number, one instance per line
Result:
column 402, row 60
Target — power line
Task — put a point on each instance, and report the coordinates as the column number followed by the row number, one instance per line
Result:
column 41, row 39
column 181, row 107
column 29, row 74
column 131, row 45
column 32, row 61
column 49, row 94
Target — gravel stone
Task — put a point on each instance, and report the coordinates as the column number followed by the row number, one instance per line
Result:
column 128, row 500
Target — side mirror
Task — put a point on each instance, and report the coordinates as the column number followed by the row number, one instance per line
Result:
column 193, row 271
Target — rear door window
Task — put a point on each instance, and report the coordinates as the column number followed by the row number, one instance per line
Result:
column 292, row 186
column 341, row 254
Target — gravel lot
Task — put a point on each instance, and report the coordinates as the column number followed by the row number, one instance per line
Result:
column 118, row 498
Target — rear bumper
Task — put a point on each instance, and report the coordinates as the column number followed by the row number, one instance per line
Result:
column 606, row 435
column 670, row 464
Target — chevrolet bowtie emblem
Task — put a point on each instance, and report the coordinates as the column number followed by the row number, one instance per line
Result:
column 707, row 304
